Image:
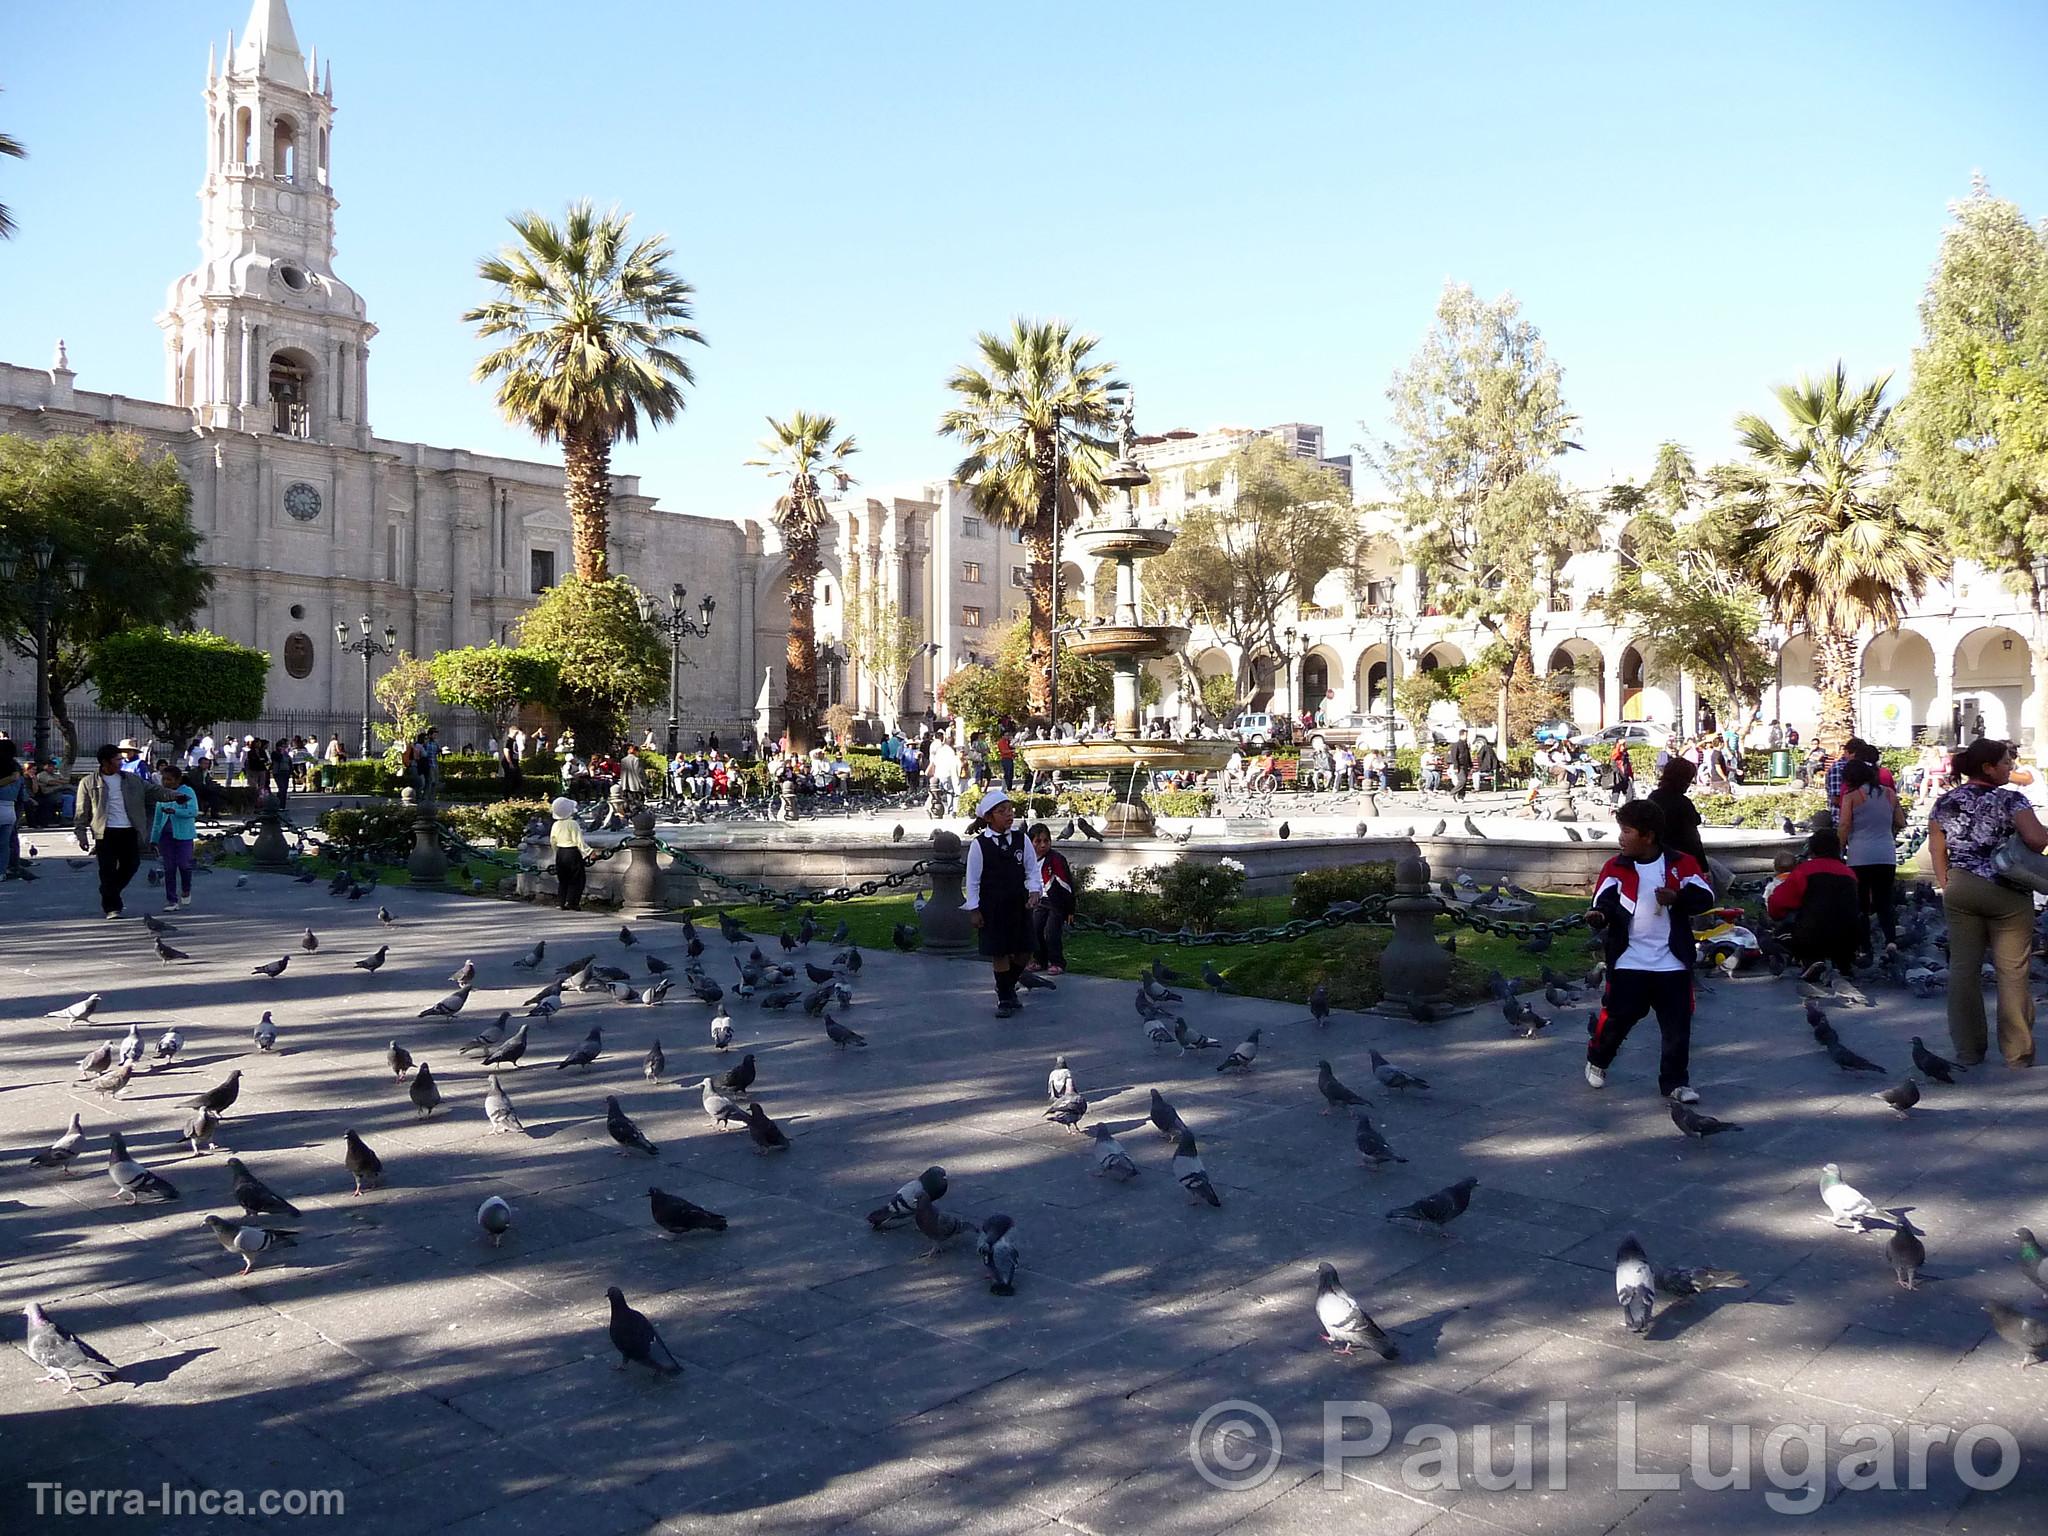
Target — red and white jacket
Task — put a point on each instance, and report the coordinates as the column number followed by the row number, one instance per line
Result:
column 1619, row 891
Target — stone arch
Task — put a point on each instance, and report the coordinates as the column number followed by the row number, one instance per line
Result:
column 289, row 386
column 1441, row 654
column 1797, row 700
column 1076, row 591
column 1994, row 679
column 1322, row 679
column 1583, row 667
column 1895, row 694
column 244, row 132
column 1649, row 688
column 284, row 148
column 1369, row 680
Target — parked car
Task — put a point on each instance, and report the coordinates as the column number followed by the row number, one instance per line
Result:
column 1637, row 733
column 1554, row 730
column 1256, row 728
column 1363, row 733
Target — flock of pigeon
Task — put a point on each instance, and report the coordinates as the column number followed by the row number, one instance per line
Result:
column 730, row 1101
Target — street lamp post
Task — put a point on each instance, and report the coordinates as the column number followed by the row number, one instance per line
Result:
column 369, row 649
column 1400, row 631
column 674, row 620
column 49, row 574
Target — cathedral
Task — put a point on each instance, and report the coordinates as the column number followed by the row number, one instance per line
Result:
column 308, row 518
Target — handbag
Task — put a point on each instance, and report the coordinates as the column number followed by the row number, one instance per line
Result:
column 2020, row 867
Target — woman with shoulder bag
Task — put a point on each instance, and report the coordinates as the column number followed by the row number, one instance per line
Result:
column 1870, row 819
column 1970, row 826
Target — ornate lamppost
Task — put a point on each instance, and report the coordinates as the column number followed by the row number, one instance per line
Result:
column 673, row 620
column 51, row 576
column 1400, row 633
column 369, row 649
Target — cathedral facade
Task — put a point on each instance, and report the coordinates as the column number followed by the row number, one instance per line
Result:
column 308, row 518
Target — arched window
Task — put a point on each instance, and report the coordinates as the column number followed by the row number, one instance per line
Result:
column 323, row 157
column 242, row 133
column 284, row 150
column 291, row 394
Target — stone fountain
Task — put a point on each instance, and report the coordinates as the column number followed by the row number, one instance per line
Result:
column 1126, row 758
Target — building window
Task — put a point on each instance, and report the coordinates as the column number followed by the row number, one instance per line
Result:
column 1020, row 576
column 291, row 394
column 970, row 570
column 1016, row 535
column 543, row 570
column 828, row 594
column 298, row 655
column 971, row 617
column 970, row 527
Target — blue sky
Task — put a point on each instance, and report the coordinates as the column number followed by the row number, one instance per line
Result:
column 1254, row 205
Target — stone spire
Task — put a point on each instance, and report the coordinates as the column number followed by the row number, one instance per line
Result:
column 270, row 47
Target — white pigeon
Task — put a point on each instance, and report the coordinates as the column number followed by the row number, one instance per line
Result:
column 494, row 1216
column 464, row 974
column 723, row 1111
column 130, row 1050
column 1635, row 1285
column 498, row 1105
column 721, row 1029
column 1847, row 1205
column 1108, row 1155
column 169, row 1043
column 266, row 1032
column 1059, row 1082
column 78, row 1012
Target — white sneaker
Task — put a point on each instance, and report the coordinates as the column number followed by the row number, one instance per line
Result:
column 1684, row 1095
column 1596, row 1077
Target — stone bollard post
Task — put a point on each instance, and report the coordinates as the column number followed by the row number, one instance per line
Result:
column 1414, row 968
column 428, row 865
column 640, row 886
column 270, row 848
column 945, row 926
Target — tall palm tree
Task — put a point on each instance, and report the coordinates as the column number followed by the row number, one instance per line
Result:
column 12, row 147
column 592, row 323
column 1824, row 533
column 801, row 451
column 1034, row 417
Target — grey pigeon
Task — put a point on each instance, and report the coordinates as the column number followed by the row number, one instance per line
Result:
column 63, row 1354
column 721, row 1030
column 2031, row 1256
column 265, row 1033
column 766, row 1135
column 373, row 962
column 633, row 1336
column 931, row 1184
column 1696, row 1124
column 546, row 1008
column 168, row 1044
column 165, row 953
column 1189, row 1172
column 1439, row 1209
column 1335, row 1094
column 939, row 1227
column 1374, row 1150
column 2025, row 1331
column 425, row 1093
column 1344, row 1322
column 494, row 1218
column 309, row 941
column 1164, row 1117
column 99, row 1059
column 112, row 1083
column 134, row 1182
column 1391, row 1076
column 363, row 1165
column 1848, row 1060
column 1932, row 1066
column 626, row 936
column 1681, row 1282
column 997, row 1250
column 1635, row 1285
column 532, row 958
column 724, row 1112
column 59, row 1153
column 78, row 1012
column 1847, row 1206
column 655, row 1064
column 220, row 1097
column 1067, row 1110
column 1902, row 1098
column 448, row 1007
column 199, row 1129
column 245, row 1239
column 586, row 1052
column 1213, row 978
column 674, row 1214
column 398, row 1059
column 1108, row 1156
column 1240, row 1060
column 384, row 916
column 1904, row 1251
column 1059, row 1082
column 255, row 1197
column 622, row 1129
column 274, row 969
column 1319, row 1003
column 498, row 1105
column 841, row 1036
column 506, row 1053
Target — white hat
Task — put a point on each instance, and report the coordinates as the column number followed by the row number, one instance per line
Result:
column 991, row 800
column 563, row 806
column 127, row 745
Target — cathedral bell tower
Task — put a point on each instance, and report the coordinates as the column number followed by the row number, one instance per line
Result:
column 262, row 336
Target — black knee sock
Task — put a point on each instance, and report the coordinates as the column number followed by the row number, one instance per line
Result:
column 1006, row 985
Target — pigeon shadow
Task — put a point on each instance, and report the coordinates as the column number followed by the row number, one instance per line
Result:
column 1421, row 1339
column 144, row 1373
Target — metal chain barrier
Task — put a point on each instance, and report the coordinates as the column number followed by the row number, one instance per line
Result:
column 770, row 896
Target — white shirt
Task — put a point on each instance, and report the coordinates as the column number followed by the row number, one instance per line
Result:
column 1034, row 882
column 1649, row 932
column 116, row 798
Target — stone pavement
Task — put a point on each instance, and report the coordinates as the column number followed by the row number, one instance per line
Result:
column 837, row 1383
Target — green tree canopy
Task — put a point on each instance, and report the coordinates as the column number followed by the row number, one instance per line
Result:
column 1973, row 433
column 886, row 642
column 801, row 452
column 1240, row 568
column 121, row 508
column 179, row 683
column 494, row 680
column 1479, row 421
column 610, row 662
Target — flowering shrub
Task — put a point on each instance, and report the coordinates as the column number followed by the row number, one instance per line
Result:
column 1191, row 894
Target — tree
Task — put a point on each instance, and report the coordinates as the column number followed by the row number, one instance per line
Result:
column 592, row 326
column 401, row 693
column 122, row 509
column 1219, row 696
column 14, row 148
column 1478, row 422
column 494, row 680
column 799, row 451
column 886, row 642
column 1085, row 682
column 1823, row 531
column 609, row 661
column 180, row 683
column 1032, row 417
column 1238, row 569
column 978, row 695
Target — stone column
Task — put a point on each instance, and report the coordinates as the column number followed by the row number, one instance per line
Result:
column 1941, row 712
column 944, row 923
column 1610, row 688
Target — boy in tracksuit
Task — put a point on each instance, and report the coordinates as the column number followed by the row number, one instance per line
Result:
column 1643, row 908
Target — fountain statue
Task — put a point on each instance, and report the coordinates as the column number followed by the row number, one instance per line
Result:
column 1126, row 758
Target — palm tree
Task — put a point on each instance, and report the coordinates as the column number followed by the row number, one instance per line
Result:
column 1824, row 533
column 15, row 148
column 801, row 451
column 593, row 323
column 1032, row 416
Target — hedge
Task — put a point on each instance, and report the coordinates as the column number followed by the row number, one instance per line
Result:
column 1315, row 889
column 504, row 821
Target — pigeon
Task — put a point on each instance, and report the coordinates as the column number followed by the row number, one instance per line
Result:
column 59, row 1153
column 1931, row 1065
column 1904, row 1251
column 1031, row 981
column 494, row 1035
column 586, row 1052
column 656, row 966
column 721, row 1030
column 254, row 1196
column 384, row 916
column 63, row 1354
column 1191, row 1040
column 113, row 1083
column 1344, row 1321
column 635, row 1339
column 1635, row 1285
column 1335, row 1094
column 1901, row 1098
column 246, row 1239
column 1067, row 1111
column 674, row 1214
column 494, row 1218
column 1697, row 1125
column 1522, row 1019
column 167, row 954
column 1391, row 1076
column 896, row 833
column 274, row 969
column 1213, row 978
column 841, row 1036
column 931, row 1185
column 372, row 963
column 1188, row 1170
column 626, row 936
column 546, row 1008
column 507, row 1054
column 1108, row 1155
column 398, row 1059
column 1680, row 1282
column 531, row 959
column 1163, row 973
column 129, row 1051
column 626, row 992
column 220, row 1097
column 654, row 994
column 937, row 1226
column 1059, row 1082
column 309, row 941
column 168, row 1044
column 1847, row 1206
column 628, row 1135
column 1374, row 1150
column 199, row 1129
column 448, row 1007
column 1439, row 1209
column 135, row 1182
column 723, row 1111
column 498, row 1105
column 1240, row 1060
column 1087, row 829
column 737, row 1080
column 766, row 1134
column 1319, row 1003
column 78, row 1012
column 1285, row 831
column 99, row 1059
column 552, row 991
column 1848, row 1060
column 2025, row 1331
column 364, row 1166
column 1165, row 1118
column 2031, row 1254
column 424, row 1092
column 997, row 1250
column 157, row 924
